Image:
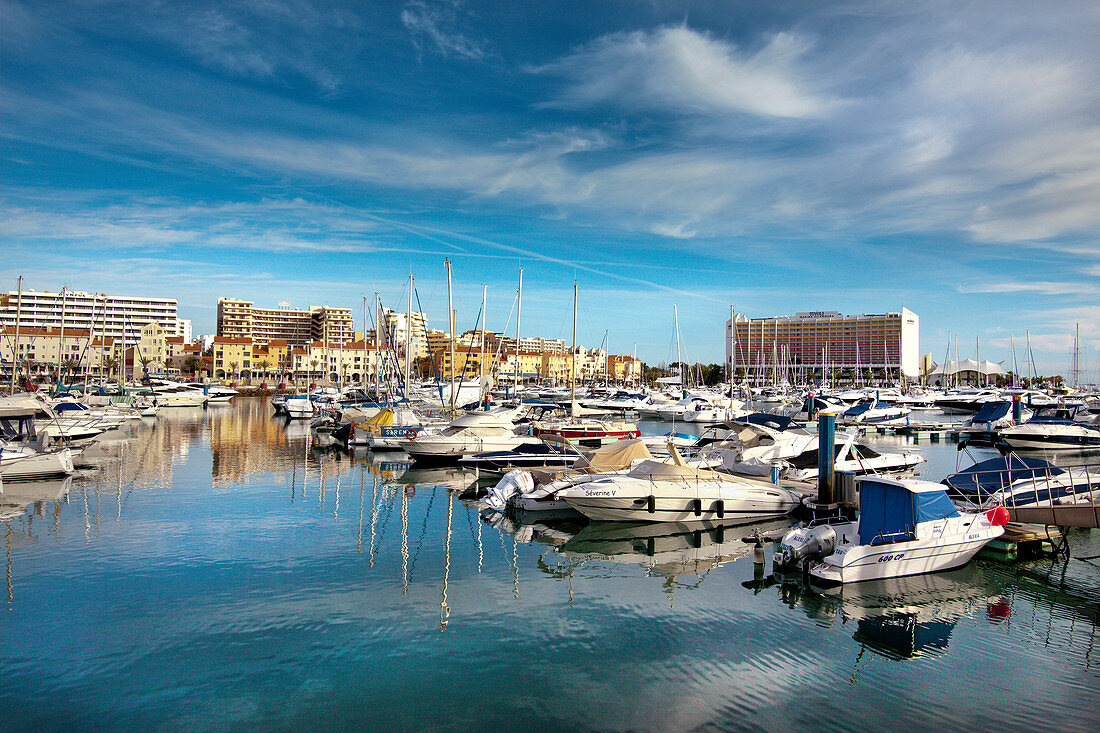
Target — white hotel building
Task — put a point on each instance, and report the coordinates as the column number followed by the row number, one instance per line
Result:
column 110, row 316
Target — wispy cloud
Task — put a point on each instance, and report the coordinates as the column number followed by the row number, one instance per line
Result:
column 436, row 24
column 680, row 70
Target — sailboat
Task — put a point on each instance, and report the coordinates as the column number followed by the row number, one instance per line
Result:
column 575, row 429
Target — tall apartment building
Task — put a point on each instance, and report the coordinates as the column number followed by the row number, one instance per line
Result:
column 112, row 316
column 542, row 345
column 817, row 340
column 241, row 319
column 396, row 329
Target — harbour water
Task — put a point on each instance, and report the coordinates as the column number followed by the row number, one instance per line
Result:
column 217, row 572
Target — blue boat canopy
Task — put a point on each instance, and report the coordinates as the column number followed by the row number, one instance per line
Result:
column 863, row 407
column 992, row 411
column 995, row 474
column 889, row 511
column 775, row 422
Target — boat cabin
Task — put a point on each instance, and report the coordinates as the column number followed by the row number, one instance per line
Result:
column 890, row 511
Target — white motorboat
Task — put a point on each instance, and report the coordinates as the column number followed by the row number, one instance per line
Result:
column 653, row 491
column 874, row 413
column 759, row 438
column 853, row 456
column 1049, row 434
column 731, row 409
column 905, row 527
column 689, row 402
column 475, row 432
column 996, row 414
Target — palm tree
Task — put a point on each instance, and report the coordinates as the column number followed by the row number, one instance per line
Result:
column 167, row 365
column 233, row 370
column 264, row 364
column 312, row 362
column 109, row 364
column 145, row 362
column 192, row 364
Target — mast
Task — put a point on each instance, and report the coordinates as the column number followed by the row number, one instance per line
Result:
column 377, row 350
column 606, row 359
column 519, row 316
column 15, row 347
column 978, row 350
column 1015, row 369
column 451, row 333
column 679, row 360
column 481, row 355
column 573, row 361
column 408, row 336
column 1030, row 361
column 1076, row 356
column 364, row 343
column 61, row 337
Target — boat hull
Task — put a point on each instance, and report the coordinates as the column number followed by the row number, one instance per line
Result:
column 899, row 559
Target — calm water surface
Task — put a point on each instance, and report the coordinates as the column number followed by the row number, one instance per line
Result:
column 215, row 572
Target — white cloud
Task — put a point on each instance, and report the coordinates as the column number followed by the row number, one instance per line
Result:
column 680, row 70
column 436, row 22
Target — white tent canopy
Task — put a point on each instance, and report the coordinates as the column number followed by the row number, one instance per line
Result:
column 986, row 368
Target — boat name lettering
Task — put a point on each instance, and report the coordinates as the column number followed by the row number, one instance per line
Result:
column 890, row 558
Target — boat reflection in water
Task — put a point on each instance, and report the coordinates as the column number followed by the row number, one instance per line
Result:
column 671, row 550
column 17, row 496
column 904, row 618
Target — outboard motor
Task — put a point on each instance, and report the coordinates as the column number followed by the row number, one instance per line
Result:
column 804, row 543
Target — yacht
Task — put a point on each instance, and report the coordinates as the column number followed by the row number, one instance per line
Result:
column 855, row 457
column 1049, row 434
column 874, row 413
column 905, row 527
column 653, row 491
column 474, row 432
column 996, row 414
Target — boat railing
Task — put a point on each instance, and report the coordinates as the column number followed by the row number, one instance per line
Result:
column 1040, row 486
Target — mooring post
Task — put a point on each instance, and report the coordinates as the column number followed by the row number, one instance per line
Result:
column 1017, row 409
column 826, row 441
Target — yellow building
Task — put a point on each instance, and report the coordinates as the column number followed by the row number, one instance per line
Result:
column 232, row 357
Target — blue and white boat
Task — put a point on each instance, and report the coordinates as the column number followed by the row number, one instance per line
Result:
column 905, row 527
column 1012, row 481
column 874, row 413
column 996, row 414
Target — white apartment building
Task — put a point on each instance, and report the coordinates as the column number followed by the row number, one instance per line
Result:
column 110, row 316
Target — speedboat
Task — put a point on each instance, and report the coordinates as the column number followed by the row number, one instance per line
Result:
column 537, row 490
column 759, row 438
column 1050, row 433
column 526, row 455
column 853, row 456
column 1013, row 481
column 874, row 413
column 996, row 414
column 677, row 410
column 715, row 413
column 474, row 432
column 905, row 527
column 653, row 491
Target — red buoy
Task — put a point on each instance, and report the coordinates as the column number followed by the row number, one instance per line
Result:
column 997, row 516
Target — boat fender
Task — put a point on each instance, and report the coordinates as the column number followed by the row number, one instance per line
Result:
column 696, row 506
column 651, row 503
column 998, row 516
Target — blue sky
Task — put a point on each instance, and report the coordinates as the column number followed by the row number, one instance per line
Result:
column 778, row 157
